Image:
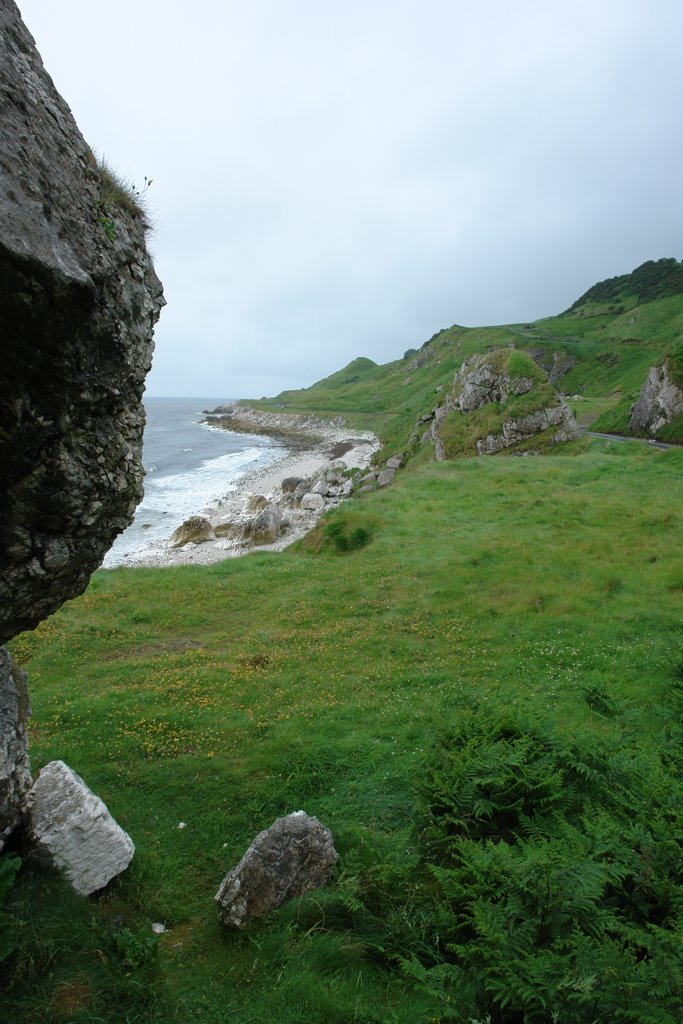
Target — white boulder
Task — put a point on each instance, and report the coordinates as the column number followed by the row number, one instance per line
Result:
column 313, row 502
column 72, row 829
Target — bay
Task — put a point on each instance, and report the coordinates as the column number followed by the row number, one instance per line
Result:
column 189, row 466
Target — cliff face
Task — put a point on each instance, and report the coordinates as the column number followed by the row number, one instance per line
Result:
column 78, row 302
column 499, row 400
column 659, row 403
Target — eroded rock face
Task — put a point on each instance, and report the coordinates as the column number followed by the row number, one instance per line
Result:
column 293, row 856
column 15, row 775
column 526, row 427
column 73, row 831
column 78, row 302
column 486, row 379
column 659, row 402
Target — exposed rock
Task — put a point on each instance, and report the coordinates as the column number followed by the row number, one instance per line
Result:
column 73, row 831
column 495, row 378
column 555, row 364
column 514, row 431
column 290, row 484
column 395, row 462
column 313, row 502
column 195, row 530
column 293, row 856
column 421, row 360
column 265, row 528
column 226, row 529
column 659, row 402
column 78, row 302
column 256, row 502
column 332, row 483
column 15, row 774
column 287, row 425
column 386, row 477
column 481, row 384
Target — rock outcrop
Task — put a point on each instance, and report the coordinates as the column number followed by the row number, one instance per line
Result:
column 524, row 403
column 659, row 403
column 78, row 302
column 73, row 831
column 293, row 856
column 15, row 775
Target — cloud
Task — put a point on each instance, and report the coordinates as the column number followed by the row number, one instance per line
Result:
column 336, row 180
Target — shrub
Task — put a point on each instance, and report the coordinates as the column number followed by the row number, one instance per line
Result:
column 554, row 902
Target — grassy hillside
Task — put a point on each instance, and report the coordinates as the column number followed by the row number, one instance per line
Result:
column 484, row 705
column 608, row 339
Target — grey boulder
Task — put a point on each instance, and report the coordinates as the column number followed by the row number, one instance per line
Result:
column 295, row 855
column 313, row 502
column 195, row 530
column 265, row 527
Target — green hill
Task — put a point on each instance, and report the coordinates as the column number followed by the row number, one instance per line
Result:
column 599, row 350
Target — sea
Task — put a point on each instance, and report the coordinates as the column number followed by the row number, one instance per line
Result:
column 189, row 467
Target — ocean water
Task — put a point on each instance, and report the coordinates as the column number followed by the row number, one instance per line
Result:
column 189, row 466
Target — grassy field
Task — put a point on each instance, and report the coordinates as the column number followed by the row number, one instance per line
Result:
column 483, row 703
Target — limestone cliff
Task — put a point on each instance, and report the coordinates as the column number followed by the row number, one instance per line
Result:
column 659, row 403
column 499, row 400
column 78, row 302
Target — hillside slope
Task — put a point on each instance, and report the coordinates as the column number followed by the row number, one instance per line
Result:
column 599, row 350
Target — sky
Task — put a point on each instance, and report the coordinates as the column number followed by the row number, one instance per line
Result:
column 331, row 180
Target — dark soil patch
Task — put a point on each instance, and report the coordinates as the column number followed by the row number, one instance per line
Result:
column 340, row 448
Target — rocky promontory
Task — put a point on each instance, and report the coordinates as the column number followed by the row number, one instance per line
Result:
column 297, row 429
column 499, row 400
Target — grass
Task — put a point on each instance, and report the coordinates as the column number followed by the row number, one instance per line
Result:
column 119, row 198
column 323, row 679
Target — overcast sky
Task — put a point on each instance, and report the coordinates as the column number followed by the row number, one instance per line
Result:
column 335, row 179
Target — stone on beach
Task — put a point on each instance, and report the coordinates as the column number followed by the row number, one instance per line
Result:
column 290, row 484
column 72, row 830
column 195, row 530
column 313, row 502
column 265, row 528
column 256, row 503
column 293, row 856
column 226, row 529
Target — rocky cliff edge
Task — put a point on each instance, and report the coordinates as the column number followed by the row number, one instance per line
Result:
column 78, row 302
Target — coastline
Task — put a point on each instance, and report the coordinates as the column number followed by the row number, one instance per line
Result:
column 315, row 445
